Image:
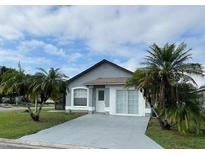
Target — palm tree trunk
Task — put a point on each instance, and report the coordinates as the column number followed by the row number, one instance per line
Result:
column 34, row 116
column 162, row 94
column 36, row 105
column 163, row 124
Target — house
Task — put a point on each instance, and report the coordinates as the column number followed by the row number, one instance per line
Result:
column 201, row 91
column 101, row 88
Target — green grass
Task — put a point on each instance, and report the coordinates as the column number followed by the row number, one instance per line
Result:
column 16, row 124
column 171, row 139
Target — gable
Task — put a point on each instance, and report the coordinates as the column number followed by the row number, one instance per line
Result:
column 103, row 69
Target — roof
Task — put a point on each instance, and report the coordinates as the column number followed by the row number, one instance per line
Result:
column 96, row 65
column 108, row 81
column 202, row 88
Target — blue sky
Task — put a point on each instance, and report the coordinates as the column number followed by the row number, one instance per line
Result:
column 75, row 37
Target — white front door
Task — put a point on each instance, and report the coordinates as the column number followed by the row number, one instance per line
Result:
column 100, row 100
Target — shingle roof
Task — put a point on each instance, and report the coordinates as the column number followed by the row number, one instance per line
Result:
column 108, row 81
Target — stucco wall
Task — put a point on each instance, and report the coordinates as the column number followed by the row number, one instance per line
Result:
column 107, row 97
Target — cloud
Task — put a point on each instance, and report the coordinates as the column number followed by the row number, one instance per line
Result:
column 13, row 56
column 75, row 56
column 104, row 25
column 10, row 33
column 27, row 46
column 72, row 70
column 122, row 32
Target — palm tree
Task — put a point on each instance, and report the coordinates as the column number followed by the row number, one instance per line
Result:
column 189, row 113
column 146, row 80
column 47, row 85
column 171, row 63
column 43, row 85
column 164, row 69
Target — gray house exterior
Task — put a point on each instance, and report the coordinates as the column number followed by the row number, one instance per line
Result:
column 101, row 88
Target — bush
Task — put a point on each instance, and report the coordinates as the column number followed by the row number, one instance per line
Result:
column 188, row 113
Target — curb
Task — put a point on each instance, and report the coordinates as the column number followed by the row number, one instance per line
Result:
column 39, row 145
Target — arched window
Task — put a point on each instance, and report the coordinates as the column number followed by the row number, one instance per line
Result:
column 80, row 97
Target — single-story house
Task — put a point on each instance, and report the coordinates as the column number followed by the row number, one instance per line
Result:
column 101, row 88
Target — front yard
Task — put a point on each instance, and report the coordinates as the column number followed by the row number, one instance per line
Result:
column 171, row 139
column 15, row 124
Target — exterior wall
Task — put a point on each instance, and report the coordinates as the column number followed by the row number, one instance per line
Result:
column 94, row 97
column 104, row 70
column 90, row 102
column 107, row 97
column 110, row 101
column 68, row 98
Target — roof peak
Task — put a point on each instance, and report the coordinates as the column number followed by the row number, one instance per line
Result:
column 98, row 64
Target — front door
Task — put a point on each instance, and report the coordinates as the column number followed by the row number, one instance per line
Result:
column 100, row 100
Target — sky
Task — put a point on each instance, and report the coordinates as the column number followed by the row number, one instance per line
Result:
column 74, row 38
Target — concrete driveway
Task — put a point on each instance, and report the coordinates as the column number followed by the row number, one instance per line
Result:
column 98, row 131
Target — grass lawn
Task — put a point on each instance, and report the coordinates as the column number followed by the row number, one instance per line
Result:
column 171, row 139
column 15, row 124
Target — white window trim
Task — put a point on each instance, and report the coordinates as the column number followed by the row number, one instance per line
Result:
column 72, row 97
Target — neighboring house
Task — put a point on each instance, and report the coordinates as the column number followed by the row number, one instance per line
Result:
column 201, row 90
column 101, row 88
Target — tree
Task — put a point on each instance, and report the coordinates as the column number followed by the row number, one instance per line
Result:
column 146, row 80
column 189, row 113
column 171, row 63
column 43, row 85
column 15, row 82
column 165, row 67
column 47, row 85
column 3, row 70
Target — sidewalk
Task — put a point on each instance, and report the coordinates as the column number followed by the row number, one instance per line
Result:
column 7, row 109
column 16, row 144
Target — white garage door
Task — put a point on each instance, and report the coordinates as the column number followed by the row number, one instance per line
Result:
column 127, row 102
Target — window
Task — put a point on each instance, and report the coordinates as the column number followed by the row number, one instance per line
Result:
column 132, row 102
column 121, row 106
column 80, row 97
column 127, row 101
column 101, row 95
